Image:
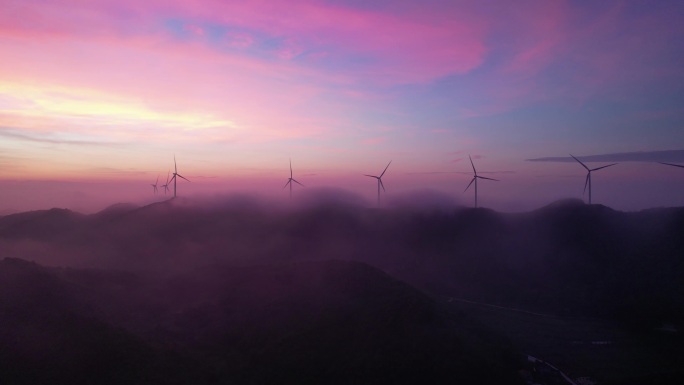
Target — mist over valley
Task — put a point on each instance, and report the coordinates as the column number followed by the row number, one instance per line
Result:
column 236, row 290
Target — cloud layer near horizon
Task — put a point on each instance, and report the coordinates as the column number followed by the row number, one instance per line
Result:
column 639, row 156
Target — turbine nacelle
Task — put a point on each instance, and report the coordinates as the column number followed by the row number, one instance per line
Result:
column 479, row 177
column 176, row 174
column 475, row 178
column 290, row 180
column 166, row 186
column 154, row 186
column 379, row 178
column 587, row 180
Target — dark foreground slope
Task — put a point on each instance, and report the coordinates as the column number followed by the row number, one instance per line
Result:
column 312, row 322
column 50, row 334
column 568, row 259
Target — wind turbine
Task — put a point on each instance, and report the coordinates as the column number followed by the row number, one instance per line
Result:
column 587, row 181
column 155, row 184
column 672, row 164
column 290, row 180
column 379, row 178
column 166, row 186
column 475, row 178
column 176, row 174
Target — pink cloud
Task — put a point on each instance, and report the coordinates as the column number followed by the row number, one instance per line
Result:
column 194, row 80
column 403, row 48
column 289, row 50
column 396, row 48
column 540, row 30
column 239, row 39
column 571, row 53
column 194, row 29
column 635, row 49
column 373, row 141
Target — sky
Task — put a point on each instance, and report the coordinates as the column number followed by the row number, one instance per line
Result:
column 97, row 97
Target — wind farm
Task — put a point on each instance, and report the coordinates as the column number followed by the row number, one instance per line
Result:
column 380, row 187
column 441, row 276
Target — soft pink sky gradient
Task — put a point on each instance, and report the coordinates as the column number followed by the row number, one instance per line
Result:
column 96, row 97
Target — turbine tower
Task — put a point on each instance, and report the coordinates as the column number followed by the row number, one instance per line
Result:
column 166, row 186
column 176, row 174
column 290, row 180
column 475, row 178
column 672, row 164
column 587, row 181
column 154, row 186
column 379, row 178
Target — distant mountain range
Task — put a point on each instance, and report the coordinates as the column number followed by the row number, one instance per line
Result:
column 163, row 277
column 565, row 258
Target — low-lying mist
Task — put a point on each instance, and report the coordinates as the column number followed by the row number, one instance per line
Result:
column 567, row 257
column 323, row 289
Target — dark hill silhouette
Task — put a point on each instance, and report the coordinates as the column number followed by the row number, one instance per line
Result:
column 50, row 334
column 43, row 224
column 113, row 211
column 321, row 322
column 215, row 256
column 567, row 258
column 562, row 204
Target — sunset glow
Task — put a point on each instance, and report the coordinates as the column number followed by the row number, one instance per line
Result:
column 96, row 98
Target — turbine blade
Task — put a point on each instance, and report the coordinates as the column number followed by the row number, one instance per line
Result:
column 580, row 162
column 471, row 182
column 157, row 180
column 294, row 180
column 383, row 172
column 184, row 177
column 372, row 176
column 175, row 168
column 288, row 182
column 290, row 167
column 472, row 164
column 672, row 164
column 598, row 168
column 586, row 182
column 482, row 177
column 381, row 184
column 174, row 177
